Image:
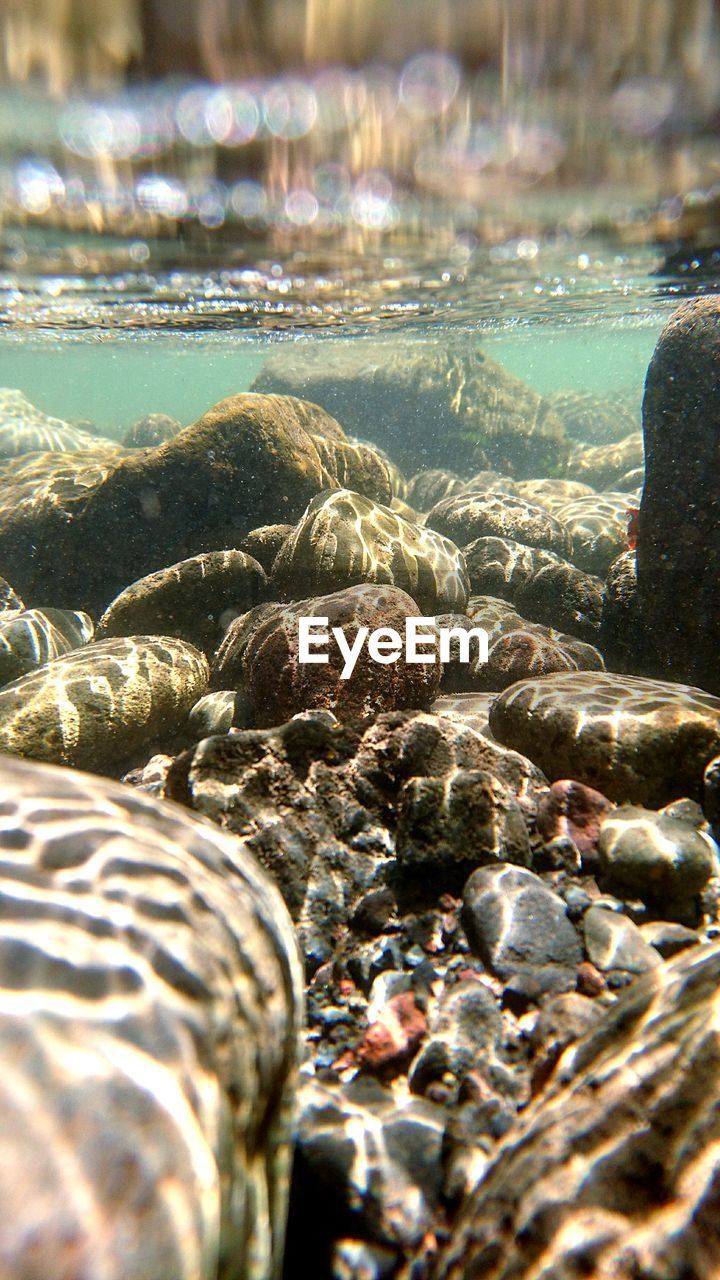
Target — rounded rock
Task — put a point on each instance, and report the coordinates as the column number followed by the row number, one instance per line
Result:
column 655, row 857
column 193, row 600
column 94, row 707
column 636, row 740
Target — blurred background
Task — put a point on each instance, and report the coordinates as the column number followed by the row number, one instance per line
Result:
column 205, row 123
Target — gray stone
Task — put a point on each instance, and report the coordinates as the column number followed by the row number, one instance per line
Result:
column 467, row 817
column 657, row 858
column 614, row 942
column 515, row 924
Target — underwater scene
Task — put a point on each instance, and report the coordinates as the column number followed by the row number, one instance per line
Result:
column 359, row 622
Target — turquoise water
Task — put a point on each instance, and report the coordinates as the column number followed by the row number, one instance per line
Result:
column 111, row 383
column 108, row 349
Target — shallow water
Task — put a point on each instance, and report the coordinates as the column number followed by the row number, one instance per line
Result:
column 108, row 349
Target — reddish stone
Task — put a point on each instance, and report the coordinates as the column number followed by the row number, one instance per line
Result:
column 590, row 981
column 574, row 810
column 393, row 1038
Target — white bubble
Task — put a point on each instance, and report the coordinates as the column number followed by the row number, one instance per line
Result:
column 429, row 83
column 161, row 195
column 290, row 108
column 301, row 207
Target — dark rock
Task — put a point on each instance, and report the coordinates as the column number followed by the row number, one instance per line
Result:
column 515, row 924
column 614, row 942
column 657, row 858
column 468, row 817
column 678, row 542
column 194, row 600
column 449, row 405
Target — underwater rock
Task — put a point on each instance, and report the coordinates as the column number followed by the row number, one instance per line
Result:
column 597, row 419
column 517, row 925
column 426, row 488
column 10, row 601
column 150, row 431
column 573, row 811
column 640, row 1090
column 248, row 461
column 521, row 655
column 624, row 638
column 541, row 585
column 468, row 516
column 26, row 429
column 424, row 400
column 636, row 740
column 500, row 618
column 264, row 543
column 678, row 541
column 32, row 637
column 344, row 539
column 285, row 793
column 614, row 943
column 279, row 685
column 212, row 714
column 94, row 707
column 489, row 481
column 370, row 1162
column 194, row 600
column 472, row 708
column 145, row 1105
column 598, row 529
column 601, row 465
column 551, row 493
column 655, row 857
column 468, row 817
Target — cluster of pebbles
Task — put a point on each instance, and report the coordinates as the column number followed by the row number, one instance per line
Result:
column 500, row 878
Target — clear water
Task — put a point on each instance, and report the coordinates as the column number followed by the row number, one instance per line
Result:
column 107, row 349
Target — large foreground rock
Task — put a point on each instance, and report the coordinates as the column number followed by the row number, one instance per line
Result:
column 145, row 1104
column 678, row 543
column 613, row 1172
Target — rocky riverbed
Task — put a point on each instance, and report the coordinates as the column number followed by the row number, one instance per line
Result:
column 503, row 876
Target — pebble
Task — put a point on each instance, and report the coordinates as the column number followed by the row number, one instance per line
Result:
column 614, row 942
column 516, row 924
column 660, row 859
